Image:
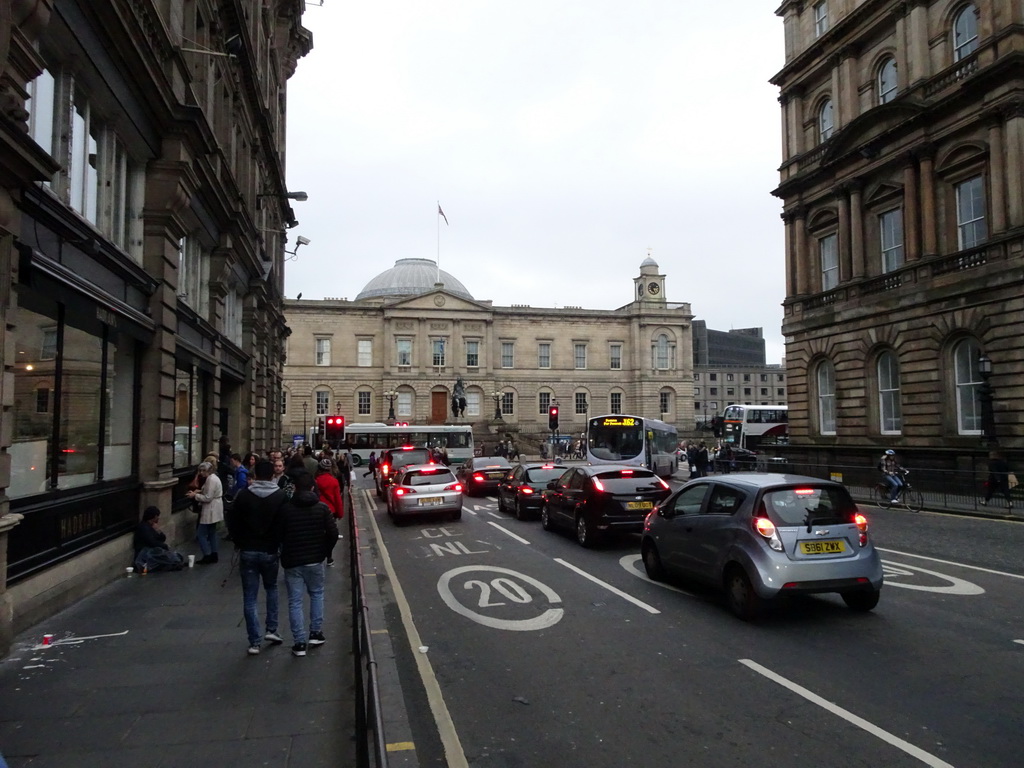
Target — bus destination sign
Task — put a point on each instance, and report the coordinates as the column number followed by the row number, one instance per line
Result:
column 619, row 421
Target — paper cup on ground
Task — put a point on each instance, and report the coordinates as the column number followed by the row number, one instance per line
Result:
column 191, row 561
column 129, row 570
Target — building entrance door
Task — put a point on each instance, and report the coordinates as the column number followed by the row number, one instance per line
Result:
column 438, row 407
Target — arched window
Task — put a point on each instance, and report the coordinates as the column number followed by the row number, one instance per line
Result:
column 965, row 33
column 322, row 402
column 826, row 122
column 968, row 387
column 890, row 416
column 826, row 398
column 887, row 81
column 662, row 353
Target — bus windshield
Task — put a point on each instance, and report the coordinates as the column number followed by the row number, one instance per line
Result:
column 616, row 439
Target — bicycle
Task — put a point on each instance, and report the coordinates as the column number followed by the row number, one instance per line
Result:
column 908, row 495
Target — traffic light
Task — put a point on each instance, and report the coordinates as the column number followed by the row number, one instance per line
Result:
column 553, row 417
column 335, row 429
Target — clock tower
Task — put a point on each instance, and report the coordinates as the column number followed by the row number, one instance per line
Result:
column 649, row 286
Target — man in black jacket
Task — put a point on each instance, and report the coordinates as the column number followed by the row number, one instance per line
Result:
column 255, row 526
column 309, row 533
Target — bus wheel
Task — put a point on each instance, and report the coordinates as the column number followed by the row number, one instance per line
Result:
column 357, row 460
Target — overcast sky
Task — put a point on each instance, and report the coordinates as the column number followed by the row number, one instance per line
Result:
column 562, row 138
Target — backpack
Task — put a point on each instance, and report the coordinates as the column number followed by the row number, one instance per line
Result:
column 881, row 464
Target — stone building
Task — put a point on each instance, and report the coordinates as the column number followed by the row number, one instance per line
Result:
column 901, row 178
column 143, row 212
column 414, row 330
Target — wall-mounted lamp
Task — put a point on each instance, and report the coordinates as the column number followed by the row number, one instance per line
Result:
column 300, row 196
column 298, row 242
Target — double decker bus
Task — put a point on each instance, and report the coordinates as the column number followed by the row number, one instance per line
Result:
column 455, row 439
column 754, row 426
column 617, row 439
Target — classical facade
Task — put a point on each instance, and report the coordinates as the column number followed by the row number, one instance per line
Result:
column 143, row 212
column 413, row 331
column 904, row 217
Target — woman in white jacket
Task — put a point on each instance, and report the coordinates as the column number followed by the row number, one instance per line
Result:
column 211, row 496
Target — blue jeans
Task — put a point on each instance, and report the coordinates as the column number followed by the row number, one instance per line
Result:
column 254, row 567
column 206, row 534
column 308, row 579
column 895, row 482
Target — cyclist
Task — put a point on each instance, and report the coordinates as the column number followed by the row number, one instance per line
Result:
column 892, row 473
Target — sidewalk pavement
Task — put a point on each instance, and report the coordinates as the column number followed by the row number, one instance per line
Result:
column 152, row 672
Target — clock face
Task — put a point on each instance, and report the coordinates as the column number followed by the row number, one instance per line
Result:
column 653, row 288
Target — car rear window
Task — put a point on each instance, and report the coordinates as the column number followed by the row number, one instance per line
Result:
column 629, row 481
column 543, row 475
column 423, row 477
column 809, row 505
column 405, row 458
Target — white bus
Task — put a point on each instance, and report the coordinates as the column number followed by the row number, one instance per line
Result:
column 753, row 426
column 457, row 440
column 616, row 439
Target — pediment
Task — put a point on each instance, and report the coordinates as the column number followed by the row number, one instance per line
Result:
column 863, row 130
column 436, row 301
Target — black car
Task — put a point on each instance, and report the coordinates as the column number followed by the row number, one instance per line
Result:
column 735, row 460
column 595, row 500
column 483, row 473
column 520, row 491
column 394, row 459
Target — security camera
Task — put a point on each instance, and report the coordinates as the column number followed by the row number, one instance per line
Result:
column 302, row 240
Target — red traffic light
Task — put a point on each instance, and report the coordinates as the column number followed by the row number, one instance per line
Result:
column 553, row 417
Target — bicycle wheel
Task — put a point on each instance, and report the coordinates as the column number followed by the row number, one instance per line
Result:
column 881, row 496
column 913, row 499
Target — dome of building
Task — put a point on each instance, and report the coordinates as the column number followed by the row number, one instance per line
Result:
column 649, row 262
column 411, row 277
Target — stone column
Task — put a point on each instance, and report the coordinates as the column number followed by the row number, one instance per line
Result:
column 858, row 266
column 787, row 220
column 917, row 43
column 929, row 220
column 7, row 522
column 1014, row 141
column 911, row 216
column 997, row 174
column 803, row 278
column 843, row 251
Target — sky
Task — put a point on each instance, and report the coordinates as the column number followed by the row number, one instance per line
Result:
column 565, row 140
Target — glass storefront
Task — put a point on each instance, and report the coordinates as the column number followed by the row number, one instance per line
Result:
column 191, row 388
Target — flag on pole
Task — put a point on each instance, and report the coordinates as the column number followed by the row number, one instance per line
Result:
column 441, row 214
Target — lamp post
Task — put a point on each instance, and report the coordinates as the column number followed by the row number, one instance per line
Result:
column 985, row 394
column 496, row 396
column 391, row 395
column 305, row 434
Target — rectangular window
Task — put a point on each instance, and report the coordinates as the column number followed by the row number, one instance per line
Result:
column 663, row 401
column 615, row 401
column 365, row 353
column 40, row 108
column 713, row 390
column 363, row 403
column 323, row 351
column 828, row 248
column 193, row 275
column 48, row 350
column 543, row 402
column 581, row 402
column 323, row 403
column 728, row 377
column 779, row 391
column 746, row 377
column 764, row 377
column 970, row 213
column 508, row 359
column 820, row 18
column 507, row 403
column 284, row 403
column 764, row 392
column 890, row 228
column 579, row 355
column 472, row 354
column 472, row 403
column 43, row 400
column 404, row 406
column 404, row 349
column 437, row 352
column 746, row 391
column 712, row 377
column 544, row 354
column 615, row 355
column 730, row 391
column 696, row 390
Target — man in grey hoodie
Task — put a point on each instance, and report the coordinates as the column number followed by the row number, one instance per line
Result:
column 255, row 527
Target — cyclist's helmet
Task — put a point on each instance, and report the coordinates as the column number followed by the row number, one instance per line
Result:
column 890, row 452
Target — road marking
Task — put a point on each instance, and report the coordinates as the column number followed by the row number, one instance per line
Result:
column 609, row 587
column 916, row 752
column 629, row 562
column 956, row 586
column 508, row 588
column 951, row 562
column 495, row 515
column 400, row 746
column 506, row 531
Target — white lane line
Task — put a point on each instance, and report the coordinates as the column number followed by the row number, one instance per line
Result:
column 952, row 562
column 507, row 532
column 1019, row 641
column 632, row 565
column 916, row 752
column 609, row 587
column 495, row 515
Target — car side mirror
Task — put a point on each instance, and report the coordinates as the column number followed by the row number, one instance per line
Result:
column 667, row 512
column 552, row 484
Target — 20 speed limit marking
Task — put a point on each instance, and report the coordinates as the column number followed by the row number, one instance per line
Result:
column 498, row 592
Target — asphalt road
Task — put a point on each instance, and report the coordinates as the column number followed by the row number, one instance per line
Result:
column 537, row 652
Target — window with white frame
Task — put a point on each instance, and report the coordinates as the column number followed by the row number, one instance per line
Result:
column 437, row 352
column 472, row 354
column 364, row 353
column 826, row 121
column 508, row 358
column 507, row 403
column 82, row 171
column 472, row 403
column 40, row 107
column 826, row 398
column 965, row 33
column 664, row 401
column 662, row 353
column 403, row 349
column 323, row 351
column 233, row 316
column 828, row 248
column 890, row 228
column 363, row 402
column 404, row 407
column 970, row 213
column 323, row 402
column 543, row 402
column 193, row 275
column 581, row 402
column 820, row 18
column 890, row 415
column 284, row 401
column 579, row 355
column 887, row 82
column 48, row 347
column 615, row 402
column 968, row 387
column 544, row 354
column 615, row 357
column 696, row 391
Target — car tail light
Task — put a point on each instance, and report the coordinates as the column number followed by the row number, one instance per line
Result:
column 525, row 490
column 384, row 468
column 804, row 491
column 403, row 491
column 862, row 525
column 665, row 485
column 454, row 487
column 478, row 477
column 428, row 471
column 627, row 472
column 547, row 466
column 766, row 528
column 598, row 485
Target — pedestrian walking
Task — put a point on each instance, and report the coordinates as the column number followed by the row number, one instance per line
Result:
column 308, row 534
column 702, row 460
column 1000, row 479
column 211, row 499
column 371, row 464
column 255, row 526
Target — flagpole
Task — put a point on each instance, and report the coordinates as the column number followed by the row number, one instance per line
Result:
column 438, row 217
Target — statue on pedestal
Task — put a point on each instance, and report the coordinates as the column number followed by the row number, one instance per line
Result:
column 458, row 398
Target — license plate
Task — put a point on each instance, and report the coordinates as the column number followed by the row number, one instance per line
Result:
column 639, row 505
column 828, row 547
column 430, row 501
column 495, row 475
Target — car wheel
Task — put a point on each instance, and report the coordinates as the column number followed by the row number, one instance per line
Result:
column 584, row 535
column 545, row 518
column 501, row 502
column 743, row 600
column 520, row 514
column 457, row 515
column 862, row 600
column 652, row 562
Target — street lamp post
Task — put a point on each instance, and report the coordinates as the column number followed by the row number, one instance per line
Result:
column 305, row 435
column 496, row 396
column 391, row 395
column 985, row 395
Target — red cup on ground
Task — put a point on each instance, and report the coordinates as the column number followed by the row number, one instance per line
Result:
column 47, row 639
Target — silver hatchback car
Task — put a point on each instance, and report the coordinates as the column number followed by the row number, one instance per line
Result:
column 424, row 489
column 762, row 536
